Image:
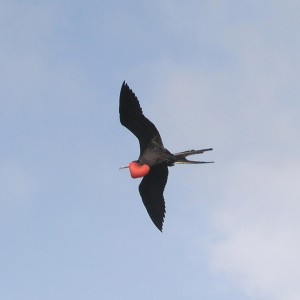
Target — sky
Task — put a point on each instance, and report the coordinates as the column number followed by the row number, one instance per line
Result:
column 221, row 74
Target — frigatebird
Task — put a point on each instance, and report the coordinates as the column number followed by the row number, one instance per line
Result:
column 154, row 158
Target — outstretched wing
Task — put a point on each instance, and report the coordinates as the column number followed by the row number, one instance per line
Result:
column 151, row 190
column 131, row 116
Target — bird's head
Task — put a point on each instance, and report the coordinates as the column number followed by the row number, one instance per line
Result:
column 137, row 170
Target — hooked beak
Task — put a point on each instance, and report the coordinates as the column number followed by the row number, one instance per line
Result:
column 124, row 167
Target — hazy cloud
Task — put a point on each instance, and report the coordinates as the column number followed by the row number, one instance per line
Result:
column 220, row 74
column 258, row 224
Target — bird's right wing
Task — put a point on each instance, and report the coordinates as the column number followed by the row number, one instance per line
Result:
column 131, row 116
column 151, row 190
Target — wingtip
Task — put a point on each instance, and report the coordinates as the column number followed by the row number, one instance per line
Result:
column 124, row 89
column 160, row 228
column 159, row 225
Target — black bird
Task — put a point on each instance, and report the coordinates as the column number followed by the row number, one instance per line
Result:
column 154, row 158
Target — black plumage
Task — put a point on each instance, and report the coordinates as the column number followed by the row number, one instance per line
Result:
column 131, row 116
column 152, row 153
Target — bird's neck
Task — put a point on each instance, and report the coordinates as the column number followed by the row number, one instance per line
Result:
column 137, row 170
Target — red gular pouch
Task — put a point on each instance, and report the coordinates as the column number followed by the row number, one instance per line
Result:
column 137, row 170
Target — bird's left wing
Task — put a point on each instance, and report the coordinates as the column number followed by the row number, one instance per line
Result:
column 151, row 190
column 132, row 117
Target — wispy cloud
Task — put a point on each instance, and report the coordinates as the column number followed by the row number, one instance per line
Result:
column 215, row 73
column 258, row 226
column 246, row 108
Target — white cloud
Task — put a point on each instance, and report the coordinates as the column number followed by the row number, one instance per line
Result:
column 247, row 109
column 222, row 74
column 258, row 224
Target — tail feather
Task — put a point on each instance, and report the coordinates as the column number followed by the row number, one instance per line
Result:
column 180, row 157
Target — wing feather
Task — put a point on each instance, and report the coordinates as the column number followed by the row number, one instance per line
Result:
column 132, row 117
column 151, row 190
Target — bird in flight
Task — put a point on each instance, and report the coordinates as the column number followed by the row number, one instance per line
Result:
column 154, row 158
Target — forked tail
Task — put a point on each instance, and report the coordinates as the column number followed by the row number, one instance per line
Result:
column 180, row 158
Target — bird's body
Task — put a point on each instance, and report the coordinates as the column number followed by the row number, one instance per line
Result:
column 156, row 154
column 154, row 158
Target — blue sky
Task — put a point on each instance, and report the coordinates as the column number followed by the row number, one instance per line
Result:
column 221, row 74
